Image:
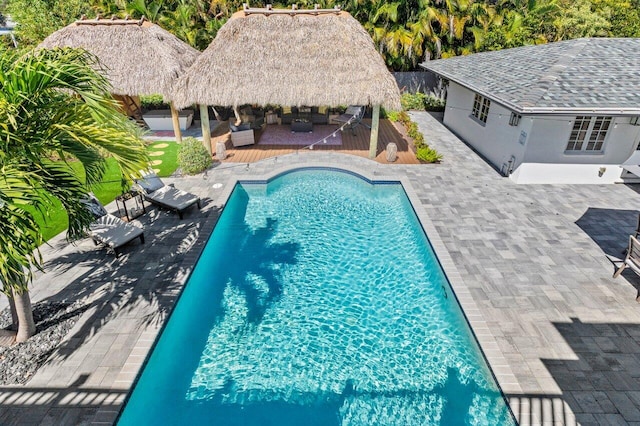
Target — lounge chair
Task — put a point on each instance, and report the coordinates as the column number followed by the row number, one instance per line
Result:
column 352, row 117
column 109, row 230
column 166, row 196
column 631, row 260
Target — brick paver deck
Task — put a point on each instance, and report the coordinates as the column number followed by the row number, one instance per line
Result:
column 526, row 262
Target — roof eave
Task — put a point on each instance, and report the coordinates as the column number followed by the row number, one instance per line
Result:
column 523, row 110
column 582, row 111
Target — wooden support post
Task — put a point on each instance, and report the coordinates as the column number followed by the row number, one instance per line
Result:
column 176, row 123
column 206, row 130
column 375, row 124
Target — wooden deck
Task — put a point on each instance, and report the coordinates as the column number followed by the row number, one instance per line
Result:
column 354, row 145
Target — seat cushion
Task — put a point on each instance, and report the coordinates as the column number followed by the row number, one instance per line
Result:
column 150, row 183
column 239, row 127
column 113, row 231
column 353, row 110
column 94, row 206
column 173, row 198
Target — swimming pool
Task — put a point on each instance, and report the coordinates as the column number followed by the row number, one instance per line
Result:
column 317, row 301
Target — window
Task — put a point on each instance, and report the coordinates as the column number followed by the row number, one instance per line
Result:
column 588, row 134
column 481, row 108
column 514, row 120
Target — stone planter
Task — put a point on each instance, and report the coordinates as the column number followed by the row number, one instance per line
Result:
column 160, row 119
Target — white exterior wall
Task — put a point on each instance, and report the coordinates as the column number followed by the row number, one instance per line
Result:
column 546, row 160
column 542, row 157
column 495, row 140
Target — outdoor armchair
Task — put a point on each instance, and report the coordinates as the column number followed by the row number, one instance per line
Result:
column 631, row 260
column 352, row 117
column 242, row 134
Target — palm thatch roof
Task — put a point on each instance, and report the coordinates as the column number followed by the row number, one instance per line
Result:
column 289, row 58
column 139, row 57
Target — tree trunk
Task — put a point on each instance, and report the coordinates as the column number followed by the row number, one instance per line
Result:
column 26, row 324
column 14, row 314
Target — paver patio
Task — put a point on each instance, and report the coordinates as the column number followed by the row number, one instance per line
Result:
column 527, row 263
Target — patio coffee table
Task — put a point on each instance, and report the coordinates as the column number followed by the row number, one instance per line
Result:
column 301, row 126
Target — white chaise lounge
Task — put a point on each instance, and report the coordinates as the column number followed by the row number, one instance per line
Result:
column 166, row 196
column 109, row 230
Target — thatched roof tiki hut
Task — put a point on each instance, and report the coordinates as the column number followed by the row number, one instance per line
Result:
column 291, row 57
column 139, row 57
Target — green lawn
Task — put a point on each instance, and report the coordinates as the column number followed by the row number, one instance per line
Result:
column 169, row 157
column 56, row 218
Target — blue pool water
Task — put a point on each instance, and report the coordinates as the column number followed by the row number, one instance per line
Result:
column 317, row 301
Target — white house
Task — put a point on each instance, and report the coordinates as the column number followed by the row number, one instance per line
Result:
column 565, row 112
column 8, row 28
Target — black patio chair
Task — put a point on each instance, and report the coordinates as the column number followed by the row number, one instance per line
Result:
column 352, row 117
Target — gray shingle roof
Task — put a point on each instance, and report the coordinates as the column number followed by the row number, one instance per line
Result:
column 574, row 76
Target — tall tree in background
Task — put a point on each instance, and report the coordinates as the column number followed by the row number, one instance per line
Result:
column 402, row 30
column 36, row 19
column 196, row 22
column 55, row 108
column 406, row 32
column 623, row 16
column 520, row 22
column 577, row 19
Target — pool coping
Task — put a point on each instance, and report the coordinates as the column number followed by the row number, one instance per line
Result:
column 498, row 365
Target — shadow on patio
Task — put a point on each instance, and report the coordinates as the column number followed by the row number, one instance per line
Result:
column 142, row 283
column 600, row 386
column 609, row 228
column 74, row 404
column 82, row 379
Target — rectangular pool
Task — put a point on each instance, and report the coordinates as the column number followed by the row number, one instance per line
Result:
column 318, row 301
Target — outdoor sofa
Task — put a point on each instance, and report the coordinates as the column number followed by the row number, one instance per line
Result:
column 317, row 115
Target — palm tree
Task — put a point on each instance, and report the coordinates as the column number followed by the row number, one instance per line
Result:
column 38, row 18
column 194, row 21
column 400, row 29
column 55, row 109
column 19, row 238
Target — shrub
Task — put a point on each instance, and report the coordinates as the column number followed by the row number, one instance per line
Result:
column 412, row 130
column 148, row 102
column 400, row 116
column 431, row 103
column 418, row 141
column 411, row 101
column 404, row 117
column 193, row 157
column 393, row 115
column 428, row 155
column 420, row 101
column 423, row 151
